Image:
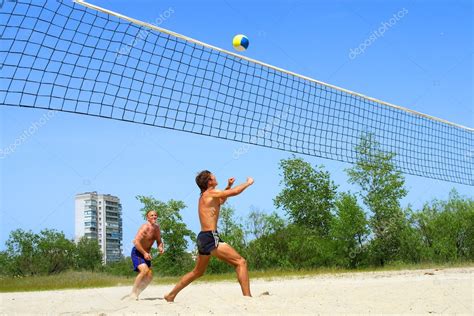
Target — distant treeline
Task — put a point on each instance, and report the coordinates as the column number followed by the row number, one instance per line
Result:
column 322, row 227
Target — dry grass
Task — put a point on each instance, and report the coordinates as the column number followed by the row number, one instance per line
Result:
column 79, row 280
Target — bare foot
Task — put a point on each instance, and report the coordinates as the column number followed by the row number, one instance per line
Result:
column 130, row 297
column 169, row 298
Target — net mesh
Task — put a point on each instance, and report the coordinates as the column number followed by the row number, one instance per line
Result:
column 63, row 56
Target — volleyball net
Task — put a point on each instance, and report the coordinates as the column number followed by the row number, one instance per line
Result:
column 76, row 57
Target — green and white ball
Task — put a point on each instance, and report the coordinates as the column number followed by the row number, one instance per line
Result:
column 240, row 42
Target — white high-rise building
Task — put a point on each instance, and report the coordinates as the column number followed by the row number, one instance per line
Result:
column 99, row 216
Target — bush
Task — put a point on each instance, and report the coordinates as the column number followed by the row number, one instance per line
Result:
column 124, row 267
column 447, row 228
column 88, row 254
column 269, row 251
column 349, row 231
column 170, row 264
column 27, row 253
column 294, row 246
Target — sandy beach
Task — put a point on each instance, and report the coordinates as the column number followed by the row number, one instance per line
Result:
column 431, row 291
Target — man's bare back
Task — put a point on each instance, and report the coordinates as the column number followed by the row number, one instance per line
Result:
column 209, row 208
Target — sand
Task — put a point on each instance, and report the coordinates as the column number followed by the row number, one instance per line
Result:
column 433, row 291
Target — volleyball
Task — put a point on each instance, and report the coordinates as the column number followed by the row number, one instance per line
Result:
column 240, row 42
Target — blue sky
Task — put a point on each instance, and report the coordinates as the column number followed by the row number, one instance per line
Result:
column 423, row 62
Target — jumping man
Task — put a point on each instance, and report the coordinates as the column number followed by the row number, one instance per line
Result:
column 208, row 240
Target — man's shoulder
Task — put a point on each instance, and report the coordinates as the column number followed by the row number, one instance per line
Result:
column 211, row 191
column 209, row 196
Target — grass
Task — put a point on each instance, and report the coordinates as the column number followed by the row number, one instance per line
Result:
column 81, row 280
column 66, row 280
column 282, row 273
column 71, row 280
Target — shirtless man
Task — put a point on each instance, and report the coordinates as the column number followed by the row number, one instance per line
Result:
column 208, row 240
column 141, row 258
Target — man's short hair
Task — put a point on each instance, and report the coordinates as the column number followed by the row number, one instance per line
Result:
column 202, row 180
column 150, row 210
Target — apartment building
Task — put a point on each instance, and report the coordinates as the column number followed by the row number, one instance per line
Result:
column 99, row 216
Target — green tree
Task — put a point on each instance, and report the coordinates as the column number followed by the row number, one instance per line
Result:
column 412, row 248
column 291, row 247
column 56, row 252
column 230, row 228
column 45, row 253
column 5, row 264
column 123, row 267
column 232, row 232
column 350, row 230
column 174, row 232
column 88, row 254
column 22, row 250
column 307, row 250
column 269, row 246
column 463, row 210
column 270, row 251
column 447, row 228
column 308, row 195
column 382, row 188
column 260, row 224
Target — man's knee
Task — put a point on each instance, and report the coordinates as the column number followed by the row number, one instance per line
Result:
column 150, row 273
column 197, row 273
column 242, row 262
column 144, row 269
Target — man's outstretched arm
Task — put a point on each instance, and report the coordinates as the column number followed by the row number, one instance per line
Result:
column 230, row 182
column 232, row 192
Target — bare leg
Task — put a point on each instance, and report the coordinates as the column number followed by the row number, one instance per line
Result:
column 198, row 271
column 145, row 281
column 140, row 280
column 228, row 254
